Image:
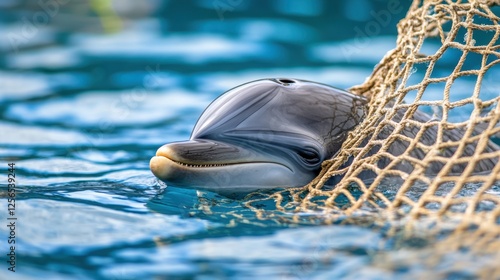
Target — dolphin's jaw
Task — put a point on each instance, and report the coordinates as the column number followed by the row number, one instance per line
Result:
column 212, row 165
column 171, row 154
column 237, row 177
column 241, row 176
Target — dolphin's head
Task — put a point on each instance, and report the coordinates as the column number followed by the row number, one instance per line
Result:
column 271, row 133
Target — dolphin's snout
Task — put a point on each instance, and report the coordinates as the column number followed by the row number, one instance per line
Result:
column 161, row 164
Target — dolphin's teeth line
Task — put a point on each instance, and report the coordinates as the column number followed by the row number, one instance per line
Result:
column 214, row 165
column 201, row 165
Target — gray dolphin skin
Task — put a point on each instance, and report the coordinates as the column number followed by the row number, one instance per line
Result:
column 271, row 133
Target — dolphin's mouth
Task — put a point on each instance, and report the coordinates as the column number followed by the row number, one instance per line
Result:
column 169, row 155
column 205, row 165
column 214, row 165
column 173, row 159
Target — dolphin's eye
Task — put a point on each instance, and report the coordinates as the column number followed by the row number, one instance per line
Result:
column 309, row 156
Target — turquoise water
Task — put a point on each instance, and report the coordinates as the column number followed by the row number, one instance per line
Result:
column 87, row 95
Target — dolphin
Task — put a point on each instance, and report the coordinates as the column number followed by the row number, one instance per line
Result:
column 270, row 133
column 275, row 133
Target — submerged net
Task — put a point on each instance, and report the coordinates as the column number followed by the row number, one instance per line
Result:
column 457, row 198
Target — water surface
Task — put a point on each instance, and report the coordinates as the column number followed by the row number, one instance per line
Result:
column 88, row 96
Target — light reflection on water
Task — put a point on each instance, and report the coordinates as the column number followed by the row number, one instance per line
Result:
column 87, row 98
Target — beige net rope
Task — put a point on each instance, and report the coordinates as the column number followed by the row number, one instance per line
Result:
column 465, row 35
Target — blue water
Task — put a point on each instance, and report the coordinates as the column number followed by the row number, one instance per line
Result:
column 88, row 95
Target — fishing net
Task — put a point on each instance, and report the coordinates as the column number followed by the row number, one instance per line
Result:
column 443, row 184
